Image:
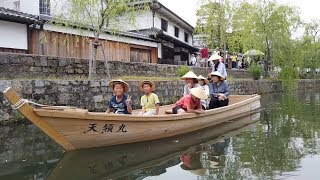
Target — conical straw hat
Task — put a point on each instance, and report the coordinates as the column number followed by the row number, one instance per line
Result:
column 119, row 81
column 190, row 75
column 203, row 78
column 199, row 92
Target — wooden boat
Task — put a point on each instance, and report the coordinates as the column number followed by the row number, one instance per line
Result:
column 139, row 159
column 74, row 128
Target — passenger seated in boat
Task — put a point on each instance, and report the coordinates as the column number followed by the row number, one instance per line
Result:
column 119, row 103
column 190, row 103
column 219, row 91
column 149, row 101
column 203, row 82
column 191, row 80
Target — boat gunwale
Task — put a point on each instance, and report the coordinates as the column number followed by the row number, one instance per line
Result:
column 102, row 116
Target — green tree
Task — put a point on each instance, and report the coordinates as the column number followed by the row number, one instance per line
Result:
column 265, row 22
column 310, row 46
column 214, row 21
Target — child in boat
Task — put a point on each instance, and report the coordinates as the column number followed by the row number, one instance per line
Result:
column 191, row 80
column 190, row 103
column 119, row 103
column 203, row 82
column 149, row 101
column 219, row 91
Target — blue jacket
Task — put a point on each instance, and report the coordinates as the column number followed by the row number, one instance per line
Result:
column 215, row 89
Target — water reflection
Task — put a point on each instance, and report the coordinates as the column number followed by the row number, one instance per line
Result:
column 284, row 144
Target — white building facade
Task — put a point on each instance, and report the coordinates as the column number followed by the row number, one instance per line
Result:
column 159, row 22
column 15, row 32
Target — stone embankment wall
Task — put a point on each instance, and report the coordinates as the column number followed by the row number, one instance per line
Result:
column 23, row 66
column 94, row 95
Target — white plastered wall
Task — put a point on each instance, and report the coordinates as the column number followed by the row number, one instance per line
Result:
column 13, row 35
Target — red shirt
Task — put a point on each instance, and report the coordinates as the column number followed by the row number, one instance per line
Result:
column 204, row 53
column 187, row 100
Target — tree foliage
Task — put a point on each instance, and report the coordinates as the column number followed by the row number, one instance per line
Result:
column 265, row 25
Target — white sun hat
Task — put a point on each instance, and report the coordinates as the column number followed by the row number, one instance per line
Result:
column 214, row 57
column 216, row 73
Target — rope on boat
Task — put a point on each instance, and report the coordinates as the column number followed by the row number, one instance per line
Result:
column 22, row 102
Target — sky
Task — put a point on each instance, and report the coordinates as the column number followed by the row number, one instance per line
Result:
column 187, row 9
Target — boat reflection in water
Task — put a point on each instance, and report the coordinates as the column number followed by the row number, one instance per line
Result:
column 197, row 152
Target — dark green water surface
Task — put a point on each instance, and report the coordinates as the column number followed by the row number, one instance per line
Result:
column 282, row 141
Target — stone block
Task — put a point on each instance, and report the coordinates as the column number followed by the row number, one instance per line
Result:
column 78, row 61
column 27, row 87
column 99, row 106
column 76, row 89
column 64, row 62
column 62, row 82
column 53, row 62
column 4, row 116
column 63, row 98
column 95, row 90
column 45, row 70
column 43, row 62
column 27, row 60
column 98, row 99
column 4, row 59
column 52, row 70
column 17, row 85
column 14, row 59
column 4, row 84
column 63, row 89
column 39, row 91
column 79, row 71
column 104, row 83
column 69, row 70
column 94, row 83
column 74, row 82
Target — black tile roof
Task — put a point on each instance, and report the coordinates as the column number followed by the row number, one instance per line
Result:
column 19, row 17
column 135, row 35
column 159, row 34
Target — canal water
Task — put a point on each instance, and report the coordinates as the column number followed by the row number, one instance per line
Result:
column 279, row 142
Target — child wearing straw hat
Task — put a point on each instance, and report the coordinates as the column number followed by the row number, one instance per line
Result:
column 190, row 103
column 149, row 101
column 203, row 82
column 191, row 80
column 219, row 91
column 119, row 103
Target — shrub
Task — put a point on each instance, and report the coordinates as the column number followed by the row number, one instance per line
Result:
column 256, row 71
column 182, row 70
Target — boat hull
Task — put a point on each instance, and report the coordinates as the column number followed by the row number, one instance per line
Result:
column 74, row 165
column 78, row 128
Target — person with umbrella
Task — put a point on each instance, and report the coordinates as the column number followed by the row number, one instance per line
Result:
column 252, row 55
